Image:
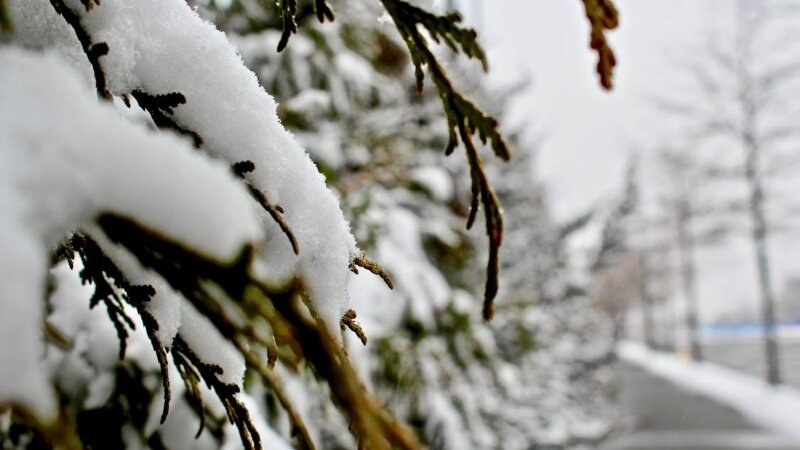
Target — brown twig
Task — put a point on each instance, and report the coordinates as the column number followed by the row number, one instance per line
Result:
column 372, row 266
column 348, row 320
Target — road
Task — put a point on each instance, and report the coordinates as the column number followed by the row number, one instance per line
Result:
column 666, row 417
column 747, row 355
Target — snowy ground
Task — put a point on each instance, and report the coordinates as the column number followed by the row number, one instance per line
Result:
column 770, row 407
column 746, row 355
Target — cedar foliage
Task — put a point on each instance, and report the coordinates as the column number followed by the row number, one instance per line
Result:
column 216, row 289
column 603, row 16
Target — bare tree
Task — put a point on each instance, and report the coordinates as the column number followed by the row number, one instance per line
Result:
column 615, row 289
column 616, row 256
column 681, row 209
column 745, row 85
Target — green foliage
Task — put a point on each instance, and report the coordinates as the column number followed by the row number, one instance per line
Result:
column 396, row 364
column 98, row 269
column 5, row 20
column 464, row 119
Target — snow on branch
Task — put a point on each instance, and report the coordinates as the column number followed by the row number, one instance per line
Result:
column 246, row 282
column 89, row 161
column 100, row 271
column 217, row 290
column 465, row 120
column 186, row 74
column 161, row 49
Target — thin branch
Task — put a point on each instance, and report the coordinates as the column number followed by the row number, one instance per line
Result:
column 372, row 266
column 288, row 12
column 93, row 51
column 191, row 379
column 463, row 117
column 275, row 211
column 348, row 321
column 98, row 269
column 324, row 11
column 160, row 108
column 227, row 393
column 288, row 9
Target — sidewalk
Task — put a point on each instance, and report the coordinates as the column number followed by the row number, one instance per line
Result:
column 677, row 405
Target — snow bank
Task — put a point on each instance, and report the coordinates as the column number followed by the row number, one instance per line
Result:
column 773, row 407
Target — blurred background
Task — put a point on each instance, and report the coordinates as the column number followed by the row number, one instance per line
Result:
column 689, row 168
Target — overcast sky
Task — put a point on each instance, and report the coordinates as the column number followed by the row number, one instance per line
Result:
column 589, row 133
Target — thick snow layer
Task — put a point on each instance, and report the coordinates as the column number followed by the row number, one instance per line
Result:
column 773, row 407
column 23, row 263
column 89, row 161
column 64, row 159
column 163, row 46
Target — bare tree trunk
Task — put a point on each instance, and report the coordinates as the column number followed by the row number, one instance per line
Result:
column 748, row 19
column 756, row 207
column 672, row 323
column 688, row 276
column 647, row 303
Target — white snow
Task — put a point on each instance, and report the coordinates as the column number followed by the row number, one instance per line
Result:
column 435, row 180
column 444, row 422
column 85, row 369
column 92, row 161
column 403, row 256
column 88, row 161
column 22, row 378
column 163, row 46
column 210, row 345
column 164, row 306
column 269, row 438
column 773, row 407
column 309, row 100
column 356, row 70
